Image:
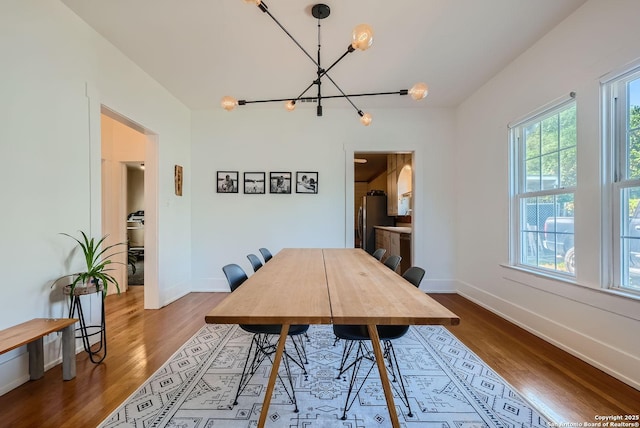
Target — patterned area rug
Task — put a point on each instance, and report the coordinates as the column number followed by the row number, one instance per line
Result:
column 448, row 387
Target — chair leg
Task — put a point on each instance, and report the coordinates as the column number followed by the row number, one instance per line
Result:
column 292, row 396
column 361, row 354
column 364, row 353
column 346, row 352
column 301, row 352
column 390, row 355
column 261, row 348
column 249, row 369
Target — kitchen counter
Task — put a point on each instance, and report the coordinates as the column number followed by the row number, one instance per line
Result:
column 394, row 229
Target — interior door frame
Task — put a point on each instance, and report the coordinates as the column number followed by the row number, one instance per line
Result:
column 418, row 251
column 96, row 108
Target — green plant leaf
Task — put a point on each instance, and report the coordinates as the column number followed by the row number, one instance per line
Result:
column 96, row 262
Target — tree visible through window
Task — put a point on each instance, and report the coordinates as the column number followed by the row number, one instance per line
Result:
column 543, row 173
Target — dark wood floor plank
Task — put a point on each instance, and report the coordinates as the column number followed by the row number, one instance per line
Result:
column 140, row 341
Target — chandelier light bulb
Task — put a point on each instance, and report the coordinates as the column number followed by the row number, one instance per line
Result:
column 256, row 2
column 366, row 119
column 419, row 91
column 362, row 37
column 228, row 103
column 290, row 105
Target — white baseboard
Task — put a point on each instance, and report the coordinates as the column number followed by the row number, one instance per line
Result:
column 439, row 285
column 626, row 371
column 210, row 285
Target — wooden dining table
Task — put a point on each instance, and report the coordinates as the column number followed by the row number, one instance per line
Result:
column 328, row 286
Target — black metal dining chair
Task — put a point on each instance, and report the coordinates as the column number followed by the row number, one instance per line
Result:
column 266, row 254
column 356, row 336
column 379, row 253
column 263, row 345
column 255, row 262
column 392, row 262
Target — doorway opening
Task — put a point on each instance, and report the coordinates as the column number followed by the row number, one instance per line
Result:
column 383, row 205
column 135, row 223
column 129, row 154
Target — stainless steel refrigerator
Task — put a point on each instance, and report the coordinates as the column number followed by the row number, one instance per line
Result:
column 372, row 212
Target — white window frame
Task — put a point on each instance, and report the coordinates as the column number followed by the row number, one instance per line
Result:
column 614, row 126
column 517, row 183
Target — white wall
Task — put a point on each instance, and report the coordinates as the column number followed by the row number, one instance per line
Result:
column 55, row 73
column 226, row 227
column 599, row 327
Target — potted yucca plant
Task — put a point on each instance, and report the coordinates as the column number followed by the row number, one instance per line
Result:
column 96, row 276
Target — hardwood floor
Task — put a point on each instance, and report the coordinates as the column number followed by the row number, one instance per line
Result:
column 140, row 341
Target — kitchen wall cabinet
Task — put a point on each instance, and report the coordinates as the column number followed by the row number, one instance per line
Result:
column 395, row 163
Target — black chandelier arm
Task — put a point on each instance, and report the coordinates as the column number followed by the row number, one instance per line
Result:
column 348, row 51
column 263, row 7
column 321, row 74
column 342, row 92
column 324, row 97
column 370, row 94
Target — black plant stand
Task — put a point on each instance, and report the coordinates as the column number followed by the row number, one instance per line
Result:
column 97, row 352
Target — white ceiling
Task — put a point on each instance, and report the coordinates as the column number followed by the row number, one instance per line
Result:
column 201, row 50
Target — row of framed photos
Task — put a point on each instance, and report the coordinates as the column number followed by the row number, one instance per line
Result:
column 255, row 183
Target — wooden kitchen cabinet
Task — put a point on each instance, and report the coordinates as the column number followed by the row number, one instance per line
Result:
column 390, row 241
column 394, row 243
column 392, row 194
column 383, row 241
column 395, row 163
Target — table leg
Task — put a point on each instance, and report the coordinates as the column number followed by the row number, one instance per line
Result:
column 69, row 352
column 273, row 376
column 36, row 358
column 384, row 379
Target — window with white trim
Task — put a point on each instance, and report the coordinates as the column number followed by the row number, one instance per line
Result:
column 622, row 144
column 543, row 182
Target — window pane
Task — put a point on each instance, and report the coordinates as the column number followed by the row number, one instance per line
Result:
column 530, row 234
column 550, row 134
column 633, row 131
column 532, row 174
column 633, row 160
column 532, row 141
column 558, row 237
column 568, row 134
column 634, row 103
column 547, row 233
column 568, row 167
column 550, row 171
column 630, row 238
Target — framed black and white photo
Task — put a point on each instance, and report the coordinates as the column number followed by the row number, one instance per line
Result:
column 279, row 182
column 306, row 182
column 227, row 182
column 254, row 183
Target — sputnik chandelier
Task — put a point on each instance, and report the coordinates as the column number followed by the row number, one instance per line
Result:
column 362, row 39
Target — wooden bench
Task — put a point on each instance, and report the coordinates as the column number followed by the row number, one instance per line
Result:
column 31, row 333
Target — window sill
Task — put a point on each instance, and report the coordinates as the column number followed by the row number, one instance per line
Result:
column 616, row 301
column 560, row 278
